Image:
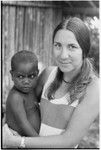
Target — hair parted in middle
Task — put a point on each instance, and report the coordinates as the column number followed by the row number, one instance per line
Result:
column 80, row 30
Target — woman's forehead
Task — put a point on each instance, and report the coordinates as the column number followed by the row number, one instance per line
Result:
column 65, row 36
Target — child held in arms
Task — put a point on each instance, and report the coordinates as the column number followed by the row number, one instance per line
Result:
column 22, row 108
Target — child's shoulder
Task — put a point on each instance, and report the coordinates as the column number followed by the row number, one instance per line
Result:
column 14, row 95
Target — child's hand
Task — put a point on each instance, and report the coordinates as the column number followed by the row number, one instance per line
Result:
column 7, row 136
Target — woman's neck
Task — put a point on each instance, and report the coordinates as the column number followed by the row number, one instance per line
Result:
column 68, row 76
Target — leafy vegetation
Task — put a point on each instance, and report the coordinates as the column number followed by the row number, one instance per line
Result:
column 93, row 24
column 91, row 140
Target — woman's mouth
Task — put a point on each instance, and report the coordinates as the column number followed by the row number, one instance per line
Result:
column 64, row 63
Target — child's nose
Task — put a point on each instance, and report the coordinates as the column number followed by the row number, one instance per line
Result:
column 26, row 81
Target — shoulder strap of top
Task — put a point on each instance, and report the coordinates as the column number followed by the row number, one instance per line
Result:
column 49, row 80
column 42, row 79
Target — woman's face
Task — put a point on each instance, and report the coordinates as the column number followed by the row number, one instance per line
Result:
column 67, row 51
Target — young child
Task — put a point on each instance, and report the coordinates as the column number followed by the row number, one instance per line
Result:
column 22, row 109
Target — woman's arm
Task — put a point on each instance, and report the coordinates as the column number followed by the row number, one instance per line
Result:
column 83, row 116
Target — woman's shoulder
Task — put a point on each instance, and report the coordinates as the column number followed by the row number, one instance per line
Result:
column 92, row 92
column 94, row 82
column 41, row 80
column 48, row 69
column 43, row 76
column 90, row 101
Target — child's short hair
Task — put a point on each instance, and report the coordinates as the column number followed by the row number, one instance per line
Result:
column 23, row 56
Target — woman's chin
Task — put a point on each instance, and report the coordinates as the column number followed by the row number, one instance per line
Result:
column 66, row 69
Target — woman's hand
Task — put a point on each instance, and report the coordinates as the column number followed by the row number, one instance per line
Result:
column 9, row 140
column 7, row 136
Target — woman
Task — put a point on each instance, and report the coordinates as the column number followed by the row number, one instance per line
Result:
column 69, row 102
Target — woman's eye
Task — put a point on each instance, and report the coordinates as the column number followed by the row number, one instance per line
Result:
column 72, row 47
column 58, row 45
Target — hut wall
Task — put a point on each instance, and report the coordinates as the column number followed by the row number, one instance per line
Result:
column 27, row 26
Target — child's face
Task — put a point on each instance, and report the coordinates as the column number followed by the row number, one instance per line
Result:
column 24, row 76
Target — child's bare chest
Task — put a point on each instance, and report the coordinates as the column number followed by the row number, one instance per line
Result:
column 32, row 111
column 30, row 103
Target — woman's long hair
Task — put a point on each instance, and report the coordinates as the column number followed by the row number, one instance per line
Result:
column 79, row 83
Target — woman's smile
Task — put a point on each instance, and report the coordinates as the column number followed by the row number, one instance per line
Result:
column 65, row 63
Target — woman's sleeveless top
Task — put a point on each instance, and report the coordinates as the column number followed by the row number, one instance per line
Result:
column 55, row 114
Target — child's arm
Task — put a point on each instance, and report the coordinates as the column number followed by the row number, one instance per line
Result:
column 18, row 110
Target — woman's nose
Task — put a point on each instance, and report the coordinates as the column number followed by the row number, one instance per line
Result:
column 64, row 53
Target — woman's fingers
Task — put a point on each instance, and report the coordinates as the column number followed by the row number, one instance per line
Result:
column 7, row 135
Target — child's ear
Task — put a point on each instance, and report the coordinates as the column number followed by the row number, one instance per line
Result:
column 11, row 72
column 38, row 71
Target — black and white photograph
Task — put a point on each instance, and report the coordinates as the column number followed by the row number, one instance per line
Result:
column 50, row 74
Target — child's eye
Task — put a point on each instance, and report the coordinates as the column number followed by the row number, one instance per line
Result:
column 20, row 76
column 32, row 76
